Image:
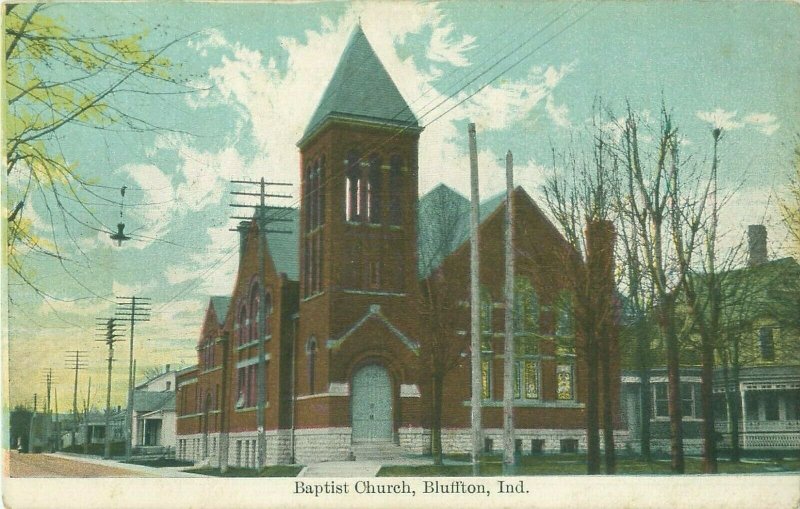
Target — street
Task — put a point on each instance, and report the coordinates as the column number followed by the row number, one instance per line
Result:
column 41, row 465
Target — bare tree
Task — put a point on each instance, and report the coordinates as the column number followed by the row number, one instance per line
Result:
column 659, row 195
column 579, row 200
column 445, row 215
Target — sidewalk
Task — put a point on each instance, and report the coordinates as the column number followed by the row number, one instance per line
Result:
column 153, row 471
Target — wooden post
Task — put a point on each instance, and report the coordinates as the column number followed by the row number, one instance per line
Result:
column 475, row 298
column 508, row 347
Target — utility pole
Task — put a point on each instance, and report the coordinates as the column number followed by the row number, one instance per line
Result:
column 475, row 305
column 48, row 417
column 57, row 441
column 33, row 424
column 111, row 336
column 262, row 221
column 509, row 454
column 86, row 418
column 76, row 361
column 134, row 309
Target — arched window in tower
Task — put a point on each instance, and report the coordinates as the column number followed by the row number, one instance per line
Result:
column 353, row 193
column 311, row 355
column 242, row 326
column 374, row 190
column 396, row 191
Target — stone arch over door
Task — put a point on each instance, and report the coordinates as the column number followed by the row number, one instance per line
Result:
column 372, row 404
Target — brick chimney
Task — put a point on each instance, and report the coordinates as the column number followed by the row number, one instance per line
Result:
column 757, row 244
column 167, row 370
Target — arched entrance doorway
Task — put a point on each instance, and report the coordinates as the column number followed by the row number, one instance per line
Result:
column 372, row 404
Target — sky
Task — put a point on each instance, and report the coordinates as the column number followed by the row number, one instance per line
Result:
column 527, row 74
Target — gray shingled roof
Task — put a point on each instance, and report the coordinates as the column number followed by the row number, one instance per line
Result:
column 443, row 224
column 361, row 89
column 221, row 304
column 284, row 247
column 149, row 401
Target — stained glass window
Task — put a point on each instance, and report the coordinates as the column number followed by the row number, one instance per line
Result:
column 526, row 380
column 565, row 382
column 486, row 378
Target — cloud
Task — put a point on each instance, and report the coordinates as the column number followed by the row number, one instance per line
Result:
column 765, row 123
column 721, row 119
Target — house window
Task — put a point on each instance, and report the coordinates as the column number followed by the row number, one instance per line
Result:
column 767, row 344
column 660, row 400
column 690, row 400
column 565, row 382
column 311, row 353
column 320, row 190
column 169, row 385
column 488, row 445
column 526, row 307
column 374, row 190
column 396, row 191
column 537, row 446
column 353, row 193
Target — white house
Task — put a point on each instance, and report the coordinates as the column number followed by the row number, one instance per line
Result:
column 154, row 413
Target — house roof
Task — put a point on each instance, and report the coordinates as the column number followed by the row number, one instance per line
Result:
column 220, row 304
column 361, row 90
column 149, row 401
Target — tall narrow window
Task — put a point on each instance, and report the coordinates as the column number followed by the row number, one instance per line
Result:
column 767, row 343
column 268, row 313
column 308, row 191
column 320, row 190
column 311, row 354
column 374, row 274
column 486, row 377
column 353, row 192
column 660, row 400
column 255, row 313
column 374, row 190
column 396, row 191
column 243, row 326
column 565, row 383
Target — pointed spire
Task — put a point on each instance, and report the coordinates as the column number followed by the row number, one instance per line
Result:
column 361, row 90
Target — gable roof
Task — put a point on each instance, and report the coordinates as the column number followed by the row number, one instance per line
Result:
column 148, row 401
column 361, row 89
column 284, row 247
column 443, row 224
column 220, row 303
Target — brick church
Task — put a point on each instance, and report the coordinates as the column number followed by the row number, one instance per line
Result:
column 347, row 370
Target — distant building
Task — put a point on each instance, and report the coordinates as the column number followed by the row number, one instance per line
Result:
column 154, row 418
column 757, row 373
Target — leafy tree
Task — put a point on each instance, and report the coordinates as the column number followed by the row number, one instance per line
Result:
column 57, row 79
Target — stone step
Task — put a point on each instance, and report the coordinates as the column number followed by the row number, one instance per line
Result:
column 376, row 450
